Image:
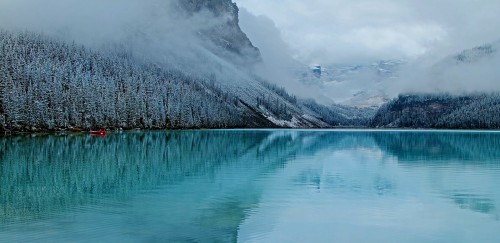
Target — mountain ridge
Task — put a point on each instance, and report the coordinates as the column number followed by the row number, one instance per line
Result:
column 227, row 34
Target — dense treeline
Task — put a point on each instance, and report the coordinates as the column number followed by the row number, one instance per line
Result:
column 49, row 85
column 477, row 111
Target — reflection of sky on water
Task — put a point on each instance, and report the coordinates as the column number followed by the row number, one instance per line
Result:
column 390, row 191
column 270, row 186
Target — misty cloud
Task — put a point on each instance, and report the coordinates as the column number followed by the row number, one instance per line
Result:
column 87, row 22
column 291, row 36
column 278, row 65
column 423, row 33
column 154, row 29
column 449, row 75
column 341, row 31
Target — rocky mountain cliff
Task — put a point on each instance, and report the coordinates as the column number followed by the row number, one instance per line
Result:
column 227, row 33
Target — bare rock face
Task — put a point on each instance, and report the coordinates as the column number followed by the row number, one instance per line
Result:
column 226, row 34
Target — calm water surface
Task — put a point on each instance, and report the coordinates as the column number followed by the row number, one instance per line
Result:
column 252, row 186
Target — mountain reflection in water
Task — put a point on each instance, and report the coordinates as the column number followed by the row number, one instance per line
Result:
column 231, row 185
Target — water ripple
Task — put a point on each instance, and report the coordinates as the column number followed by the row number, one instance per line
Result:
column 252, row 186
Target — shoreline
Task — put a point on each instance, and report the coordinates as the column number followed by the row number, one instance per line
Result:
column 337, row 129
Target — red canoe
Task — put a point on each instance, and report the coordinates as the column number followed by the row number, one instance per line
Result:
column 101, row 132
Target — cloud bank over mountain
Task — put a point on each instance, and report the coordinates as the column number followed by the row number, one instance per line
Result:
column 425, row 39
column 181, row 33
column 203, row 37
column 345, row 31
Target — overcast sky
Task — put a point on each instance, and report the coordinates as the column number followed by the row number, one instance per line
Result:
column 323, row 32
column 353, row 31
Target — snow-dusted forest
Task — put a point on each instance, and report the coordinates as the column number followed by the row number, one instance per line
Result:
column 475, row 111
column 49, row 85
column 190, row 65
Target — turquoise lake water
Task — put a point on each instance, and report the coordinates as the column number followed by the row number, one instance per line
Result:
column 251, row 186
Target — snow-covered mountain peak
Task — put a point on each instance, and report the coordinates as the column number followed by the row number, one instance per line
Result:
column 359, row 85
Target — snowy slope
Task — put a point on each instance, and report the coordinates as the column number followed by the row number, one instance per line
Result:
column 50, row 85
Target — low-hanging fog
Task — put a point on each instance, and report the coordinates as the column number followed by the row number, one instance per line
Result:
column 292, row 36
column 328, row 31
column 154, row 30
column 425, row 35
